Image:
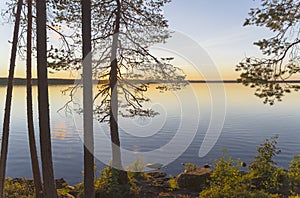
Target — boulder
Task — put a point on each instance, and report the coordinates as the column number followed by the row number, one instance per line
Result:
column 60, row 183
column 194, row 181
column 156, row 174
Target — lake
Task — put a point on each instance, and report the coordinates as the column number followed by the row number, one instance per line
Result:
column 172, row 137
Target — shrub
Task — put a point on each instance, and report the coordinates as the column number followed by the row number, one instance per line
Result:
column 18, row 188
column 189, row 167
column 294, row 175
column 265, row 179
column 239, row 191
column 135, row 170
column 137, row 166
column 107, row 183
column 173, row 184
column 264, row 170
column 226, row 179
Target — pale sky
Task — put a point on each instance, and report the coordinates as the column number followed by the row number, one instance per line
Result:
column 216, row 25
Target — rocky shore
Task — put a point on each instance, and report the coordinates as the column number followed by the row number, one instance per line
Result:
column 151, row 184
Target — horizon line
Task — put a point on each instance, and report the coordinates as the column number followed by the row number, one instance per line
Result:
column 61, row 81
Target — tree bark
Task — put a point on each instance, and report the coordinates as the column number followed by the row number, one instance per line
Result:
column 89, row 190
column 113, row 78
column 6, row 122
column 32, row 143
column 43, row 101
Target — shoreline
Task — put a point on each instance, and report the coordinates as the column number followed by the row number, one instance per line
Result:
column 54, row 81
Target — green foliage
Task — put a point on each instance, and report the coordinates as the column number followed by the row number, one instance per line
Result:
column 135, row 26
column 263, row 163
column 134, row 188
column 173, row 184
column 18, row 188
column 134, row 172
column 21, row 187
column 79, row 188
column 264, row 168
column 239, row 191
column 294, row 175
column 276, row 15
column 228, row 181
column 265, row 179
column 136, row 168
column 189, row 167
column 226, row 174
column 107, row 183
column 281, row 52
column 63, row 192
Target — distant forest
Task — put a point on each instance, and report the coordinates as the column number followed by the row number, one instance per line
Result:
column 22, row 81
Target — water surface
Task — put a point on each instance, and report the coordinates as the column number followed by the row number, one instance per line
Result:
column 247, row 123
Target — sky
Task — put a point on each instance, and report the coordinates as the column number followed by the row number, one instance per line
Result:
column 214, row 25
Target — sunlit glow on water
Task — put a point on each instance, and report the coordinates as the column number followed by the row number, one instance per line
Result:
column 248, row 122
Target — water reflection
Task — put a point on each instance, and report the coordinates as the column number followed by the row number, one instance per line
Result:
column 248, row 122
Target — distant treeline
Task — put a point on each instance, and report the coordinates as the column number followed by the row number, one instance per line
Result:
column 22, row 81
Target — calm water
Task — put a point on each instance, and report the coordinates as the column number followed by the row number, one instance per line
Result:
column 185, row 117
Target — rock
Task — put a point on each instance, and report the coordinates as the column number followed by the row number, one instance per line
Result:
column 206, row 166
column 156, row 174
column 165, row 195
column 60, row 183
column 71, row 187
column 70, row 196
column 194, row 181
column 73, row 193
column 154, row 166
column 243, row 164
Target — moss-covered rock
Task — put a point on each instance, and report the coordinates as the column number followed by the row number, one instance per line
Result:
column 195, row 181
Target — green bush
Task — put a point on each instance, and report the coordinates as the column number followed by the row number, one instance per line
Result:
column 173, row 184
column 239, row 191
column 107, row 184
column 226, row 173
column 135, row 170
column 265, row 179
column 264, row 170
column 226, row 180
column 18, row 188
column 294, row 175
column 189, row 167
column 137, row 166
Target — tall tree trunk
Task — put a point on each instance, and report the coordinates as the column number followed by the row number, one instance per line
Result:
column 89, row 190
column 116, row 150
column 43, row 101
column 5, row 132
column 32, row 144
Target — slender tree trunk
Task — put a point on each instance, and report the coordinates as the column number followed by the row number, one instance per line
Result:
column 116, row 149
column 43, row 101
column 89, row 190
column 32, row 144
column 5, row 132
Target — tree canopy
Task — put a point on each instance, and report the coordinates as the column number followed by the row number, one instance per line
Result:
column 274, row 73
column 122, row 33
column 141, row 25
